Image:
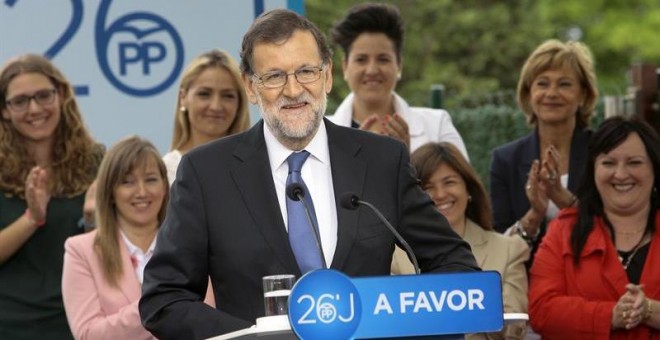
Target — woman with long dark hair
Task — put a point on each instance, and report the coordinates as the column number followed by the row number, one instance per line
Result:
column 596, row 274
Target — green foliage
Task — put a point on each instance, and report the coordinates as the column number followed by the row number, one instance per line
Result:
column 485, row 128
column 472, row 47
column 619, row 32
column 476, row 48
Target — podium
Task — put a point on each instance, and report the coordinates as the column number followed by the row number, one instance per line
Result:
column 278, row 328
column 326, row 304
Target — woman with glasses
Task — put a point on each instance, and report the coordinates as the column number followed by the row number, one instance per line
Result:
column 49, row 160
column 371, row 36
column 211, row 104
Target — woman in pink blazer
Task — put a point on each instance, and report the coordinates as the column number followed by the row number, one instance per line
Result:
column 102, row 275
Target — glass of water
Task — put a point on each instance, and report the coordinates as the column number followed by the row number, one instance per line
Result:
column 277, row 289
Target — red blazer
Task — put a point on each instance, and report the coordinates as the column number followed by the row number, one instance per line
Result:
column 567, row 302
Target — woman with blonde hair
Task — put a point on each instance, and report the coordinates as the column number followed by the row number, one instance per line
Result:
column 533, row 177
column 49, row 160
column 102, row 277
column 211, row 104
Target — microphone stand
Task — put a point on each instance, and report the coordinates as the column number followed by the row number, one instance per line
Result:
column 396, row 234
column 297, row 194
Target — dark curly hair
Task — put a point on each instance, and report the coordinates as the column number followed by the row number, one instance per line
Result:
column 76, row 155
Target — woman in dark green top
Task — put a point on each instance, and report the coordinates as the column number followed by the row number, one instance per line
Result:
column 48, row 161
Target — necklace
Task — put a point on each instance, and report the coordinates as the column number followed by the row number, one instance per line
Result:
column 628, row 234
column 627, row 261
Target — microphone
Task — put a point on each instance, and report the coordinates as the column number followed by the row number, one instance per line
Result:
column 296, row 192
column 351, row 201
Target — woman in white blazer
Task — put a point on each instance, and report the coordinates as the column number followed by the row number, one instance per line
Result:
column 371, row 37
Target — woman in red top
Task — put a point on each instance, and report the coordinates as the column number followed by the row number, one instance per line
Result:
column 597, row 272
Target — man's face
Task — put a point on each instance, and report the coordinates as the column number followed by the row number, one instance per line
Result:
column 293, row 111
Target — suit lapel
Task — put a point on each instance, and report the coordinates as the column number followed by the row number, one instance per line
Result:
column 348, row 175
column 614, row 274
column 255, row 183
column 530, row 152
column 578, row 158
column 476, row 237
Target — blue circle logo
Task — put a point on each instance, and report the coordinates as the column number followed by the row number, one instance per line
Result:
column 324, row 304
column 138, row 44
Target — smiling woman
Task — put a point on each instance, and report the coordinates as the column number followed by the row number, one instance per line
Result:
column 48, row 162
column 596, row 271
column 211, row 104
column 533, row 177
column 457, row 192
column 371, row 37
column 103, row 269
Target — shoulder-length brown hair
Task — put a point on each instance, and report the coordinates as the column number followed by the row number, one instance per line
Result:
column 554, row 54
column 213, row 58
column 127, row 155
column 76, row 155
column 426, row 160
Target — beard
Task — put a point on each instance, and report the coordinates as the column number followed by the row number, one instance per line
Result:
column 294, row 130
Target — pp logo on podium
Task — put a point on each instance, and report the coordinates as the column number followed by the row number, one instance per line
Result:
column 317, row 312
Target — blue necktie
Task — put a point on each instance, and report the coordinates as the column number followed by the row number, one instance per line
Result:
column 301, row 237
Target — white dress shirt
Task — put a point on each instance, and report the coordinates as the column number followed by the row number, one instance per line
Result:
column 138, row 257
column 172, row 160
column 317, row 174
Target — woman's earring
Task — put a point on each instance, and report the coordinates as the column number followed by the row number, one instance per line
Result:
column 469, row 198
column 182, row 109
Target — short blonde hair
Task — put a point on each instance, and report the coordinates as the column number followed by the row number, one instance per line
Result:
column 554, row 54
column 213, row 58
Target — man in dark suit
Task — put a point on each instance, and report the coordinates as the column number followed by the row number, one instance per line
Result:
column 227, row 218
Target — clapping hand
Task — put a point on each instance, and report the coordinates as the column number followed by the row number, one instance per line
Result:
column 37, row 194
column 394, row 126
column 549, row 171
column 630, row 310
column 536, row 190
column 549, row 175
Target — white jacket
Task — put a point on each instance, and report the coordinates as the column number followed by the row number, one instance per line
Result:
column 424, row 124
column 171, row 160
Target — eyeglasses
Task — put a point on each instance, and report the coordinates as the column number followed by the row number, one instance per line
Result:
column 20, row 104
column 304, row 75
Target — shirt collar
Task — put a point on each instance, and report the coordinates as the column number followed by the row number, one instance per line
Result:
column 135, row 250
column 317, row 147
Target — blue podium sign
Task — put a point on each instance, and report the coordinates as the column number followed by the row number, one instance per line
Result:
column 326, row 304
